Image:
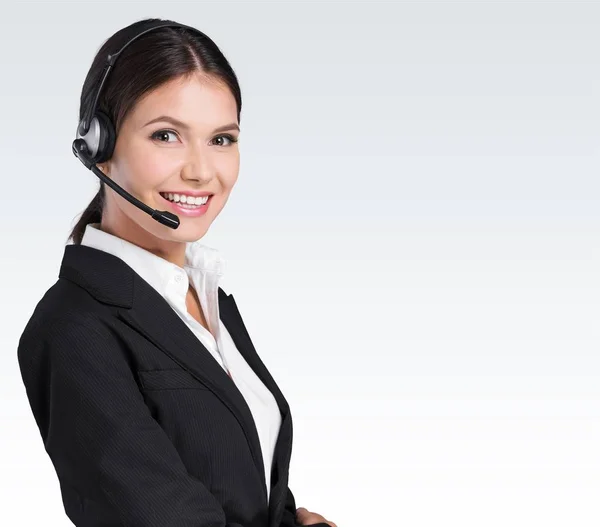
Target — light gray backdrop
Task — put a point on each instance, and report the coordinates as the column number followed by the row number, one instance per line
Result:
column 413, row 242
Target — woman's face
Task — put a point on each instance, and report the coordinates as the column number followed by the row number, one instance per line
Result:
column 163, row 156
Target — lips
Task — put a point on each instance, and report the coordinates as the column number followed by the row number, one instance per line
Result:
column 182, row 210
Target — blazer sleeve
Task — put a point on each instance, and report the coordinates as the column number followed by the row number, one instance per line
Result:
column 289, row 513
column 99, row 433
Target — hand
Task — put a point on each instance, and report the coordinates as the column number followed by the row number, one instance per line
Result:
column 305, row 517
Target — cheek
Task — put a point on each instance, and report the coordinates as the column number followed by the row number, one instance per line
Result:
column 146, row 168
column 229, row 171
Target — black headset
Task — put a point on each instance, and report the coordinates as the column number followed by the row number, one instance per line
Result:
column 96, row 135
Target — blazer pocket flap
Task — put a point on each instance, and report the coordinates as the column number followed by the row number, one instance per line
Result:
column 169, row 379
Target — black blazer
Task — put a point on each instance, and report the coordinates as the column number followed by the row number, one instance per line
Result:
column 144, row 428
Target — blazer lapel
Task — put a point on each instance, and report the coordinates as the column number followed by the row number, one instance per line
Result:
column 112, row 281
column 232, row 318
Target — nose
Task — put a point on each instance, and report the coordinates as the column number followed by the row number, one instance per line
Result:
column 199, row 167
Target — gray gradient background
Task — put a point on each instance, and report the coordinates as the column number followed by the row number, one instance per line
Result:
column 413, row 242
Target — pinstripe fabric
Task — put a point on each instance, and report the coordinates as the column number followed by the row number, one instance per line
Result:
column 203, row 270
column 143, row 427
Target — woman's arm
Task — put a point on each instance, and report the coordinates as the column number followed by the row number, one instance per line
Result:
column 100, row 434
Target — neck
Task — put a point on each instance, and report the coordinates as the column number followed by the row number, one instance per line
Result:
column 122, row 226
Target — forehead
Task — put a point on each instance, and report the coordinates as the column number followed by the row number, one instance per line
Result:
column 198, row 100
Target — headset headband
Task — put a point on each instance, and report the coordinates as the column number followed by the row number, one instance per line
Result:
column 85, row 122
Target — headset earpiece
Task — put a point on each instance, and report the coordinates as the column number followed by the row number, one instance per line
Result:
column 100, row 138
column 107, row 138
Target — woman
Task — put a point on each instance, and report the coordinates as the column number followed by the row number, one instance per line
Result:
column 151, row 400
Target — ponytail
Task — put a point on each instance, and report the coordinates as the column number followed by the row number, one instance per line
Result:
column 92, row 214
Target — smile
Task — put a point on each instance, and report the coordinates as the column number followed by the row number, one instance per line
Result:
column 187, row 209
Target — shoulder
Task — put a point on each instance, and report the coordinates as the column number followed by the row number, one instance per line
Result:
column 62, row 308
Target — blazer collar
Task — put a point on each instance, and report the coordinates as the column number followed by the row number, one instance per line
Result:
column 203, row 265
column 111, row 281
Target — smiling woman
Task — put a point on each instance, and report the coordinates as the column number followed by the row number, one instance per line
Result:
column 175, row 77
column 151, row 399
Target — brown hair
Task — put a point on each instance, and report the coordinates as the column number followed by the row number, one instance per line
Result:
column 151, row 60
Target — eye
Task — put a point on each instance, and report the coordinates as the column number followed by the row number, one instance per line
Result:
column 229, row 137
column 162, row 133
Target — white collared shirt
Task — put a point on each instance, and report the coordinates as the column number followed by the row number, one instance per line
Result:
column 203, row 267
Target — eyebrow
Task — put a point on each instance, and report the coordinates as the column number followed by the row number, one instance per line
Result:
column 177, row 122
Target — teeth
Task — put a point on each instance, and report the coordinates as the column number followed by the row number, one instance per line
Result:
column 182, row 198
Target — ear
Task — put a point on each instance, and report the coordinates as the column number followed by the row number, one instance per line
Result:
column 103, row 167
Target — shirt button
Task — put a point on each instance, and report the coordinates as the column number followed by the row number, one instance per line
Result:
column 178, row 278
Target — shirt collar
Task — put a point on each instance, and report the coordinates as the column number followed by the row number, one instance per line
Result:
column 158, row 272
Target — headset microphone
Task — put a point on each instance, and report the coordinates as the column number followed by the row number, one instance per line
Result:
column 162, row 216
column 96, row 137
